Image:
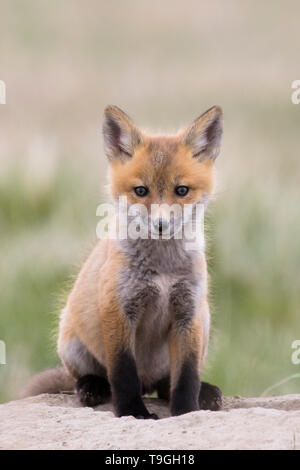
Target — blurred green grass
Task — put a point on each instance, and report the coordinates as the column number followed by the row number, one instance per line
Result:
column 165, row 64
column 44, row 233
column 254, row 297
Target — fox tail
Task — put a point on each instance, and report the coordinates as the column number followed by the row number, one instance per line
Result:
column 50, row 381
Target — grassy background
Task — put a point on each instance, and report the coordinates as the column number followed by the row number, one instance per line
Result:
column 165, row 63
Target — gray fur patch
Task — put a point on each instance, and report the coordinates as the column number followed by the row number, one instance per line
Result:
column 139, row 284
column 182, row 300
column 157, row 290
column 81, row 360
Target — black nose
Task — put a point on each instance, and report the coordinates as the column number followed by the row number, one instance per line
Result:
column 160, row 226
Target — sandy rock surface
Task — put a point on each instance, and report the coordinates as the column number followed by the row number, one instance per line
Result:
column 59, row 422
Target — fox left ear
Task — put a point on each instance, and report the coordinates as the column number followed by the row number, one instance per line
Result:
column 205, row 133
column 120, row 135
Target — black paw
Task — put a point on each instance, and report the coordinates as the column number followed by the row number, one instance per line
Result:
column 136, row 409
column 210, row 397
column 149, row 416
column 93, row 390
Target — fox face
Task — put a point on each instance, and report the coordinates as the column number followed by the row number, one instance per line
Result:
column 162, row 172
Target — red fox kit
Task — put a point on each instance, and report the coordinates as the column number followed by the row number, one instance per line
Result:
column 137, row 319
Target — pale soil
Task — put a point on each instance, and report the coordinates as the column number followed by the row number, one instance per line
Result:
column 58, row 422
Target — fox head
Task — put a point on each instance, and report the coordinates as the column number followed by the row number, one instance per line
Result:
column 159, row 171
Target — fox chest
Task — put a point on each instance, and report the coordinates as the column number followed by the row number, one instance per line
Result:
column 158, row 299
column 159, row 286
column 152, row 306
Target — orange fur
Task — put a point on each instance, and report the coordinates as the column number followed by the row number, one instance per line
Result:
column 93, row 312
column 179, row 168
column 93, row 315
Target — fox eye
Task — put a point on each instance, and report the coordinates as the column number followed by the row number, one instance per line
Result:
column 181, row 190
column 141, row 191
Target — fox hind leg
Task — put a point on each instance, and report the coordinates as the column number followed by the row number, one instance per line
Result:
column 210, row 397
column 92, row 384
column 93, row 390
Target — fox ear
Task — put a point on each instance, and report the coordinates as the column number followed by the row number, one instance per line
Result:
column 205, row 133
column 119, row 133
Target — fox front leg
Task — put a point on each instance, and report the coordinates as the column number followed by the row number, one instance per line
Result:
column 126, row 388
column 122, row 371
column 185, row 351
column 185, row 378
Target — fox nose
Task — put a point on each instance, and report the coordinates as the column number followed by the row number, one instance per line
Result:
column 161, row 225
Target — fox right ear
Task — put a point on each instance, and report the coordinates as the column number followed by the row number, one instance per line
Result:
column 204, row 135
column 120, row 134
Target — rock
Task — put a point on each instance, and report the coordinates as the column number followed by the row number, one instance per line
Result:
column 59, row 422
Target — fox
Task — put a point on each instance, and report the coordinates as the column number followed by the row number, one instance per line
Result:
column 137, row 320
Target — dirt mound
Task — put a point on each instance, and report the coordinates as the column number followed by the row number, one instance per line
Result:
column 59, row 422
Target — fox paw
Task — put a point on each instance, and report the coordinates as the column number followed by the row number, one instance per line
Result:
column 149, row 416
column 93, row 390
column 210, row 397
